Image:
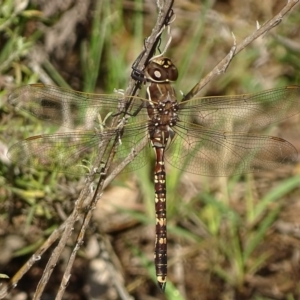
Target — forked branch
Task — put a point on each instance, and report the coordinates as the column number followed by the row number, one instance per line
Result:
column 89, row 195
column 237, row 48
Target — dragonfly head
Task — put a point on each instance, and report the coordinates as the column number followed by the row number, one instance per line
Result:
column 161, row 70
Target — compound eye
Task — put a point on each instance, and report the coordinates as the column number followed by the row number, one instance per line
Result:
column 173, row 73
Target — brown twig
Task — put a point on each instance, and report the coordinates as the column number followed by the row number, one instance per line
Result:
column 89, row 196
column 95, row 195
column 223, row 64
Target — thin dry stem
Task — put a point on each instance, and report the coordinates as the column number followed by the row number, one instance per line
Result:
column 36, row 256
column 131, row 90
column 222, row 66
column 88, row 194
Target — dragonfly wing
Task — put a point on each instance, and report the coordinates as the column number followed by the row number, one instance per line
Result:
column 133, row 143
column 75, row 152
column 70, row 108
column 246, row 112
column 215, row 153
column 59, row 152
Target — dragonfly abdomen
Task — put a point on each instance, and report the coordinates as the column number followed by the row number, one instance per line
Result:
column 160, row 254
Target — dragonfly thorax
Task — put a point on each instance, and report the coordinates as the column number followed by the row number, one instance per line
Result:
column 162, row 106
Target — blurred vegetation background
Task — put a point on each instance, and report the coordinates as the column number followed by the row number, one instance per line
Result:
column 229, row 238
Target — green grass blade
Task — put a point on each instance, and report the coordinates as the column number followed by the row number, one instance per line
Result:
column 275, row 194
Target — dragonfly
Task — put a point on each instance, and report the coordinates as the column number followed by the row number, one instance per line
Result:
column 212, row 136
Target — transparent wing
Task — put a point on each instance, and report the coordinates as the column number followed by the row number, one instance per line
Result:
column 70, row 152
column 204, row 144
column 214, row 153
column 68, row 107
column 239, row 112
column 242, row 112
